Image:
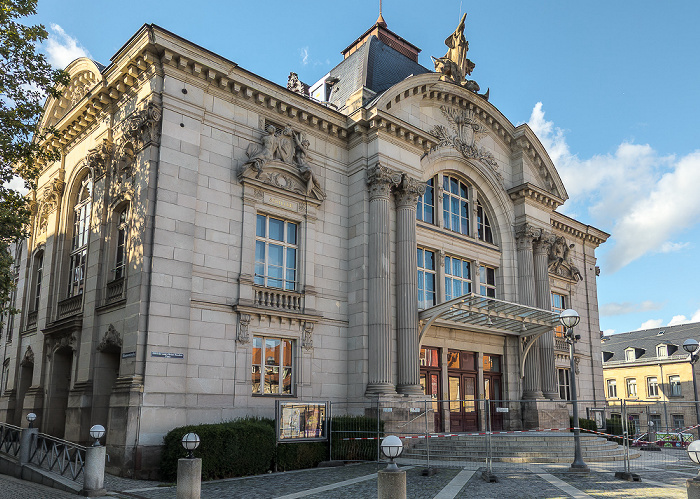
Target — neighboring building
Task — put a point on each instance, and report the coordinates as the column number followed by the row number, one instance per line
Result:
column 211, row 242
column 652, row 372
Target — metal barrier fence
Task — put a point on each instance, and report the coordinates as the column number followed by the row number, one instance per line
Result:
column 515, row 434
column 10, row 439
column 58, row 456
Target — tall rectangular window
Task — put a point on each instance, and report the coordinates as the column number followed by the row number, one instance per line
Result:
column 458, row 279
column 426, row 204
column 276, row 253
column 273, row 366
column 120, row 255
column 632, row 387
column 564, row 384
column 455, row 205
column 81, row 232
column 558, row 306
column 487, row 281
column 483, row 226
column 678, row 421
column 674, row 383
column 38, row 276
column 652, row 386
column 612, row 388
column 427, row 296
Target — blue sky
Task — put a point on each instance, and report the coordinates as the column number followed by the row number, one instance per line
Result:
column 611, row 89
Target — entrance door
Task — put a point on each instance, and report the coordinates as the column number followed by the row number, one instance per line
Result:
column 430, row 382
column 462, row 387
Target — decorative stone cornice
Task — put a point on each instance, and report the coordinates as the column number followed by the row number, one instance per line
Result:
column 381, row 180
column 577, row 230
column 531, row 193
column 408, row 191
column 408, row 134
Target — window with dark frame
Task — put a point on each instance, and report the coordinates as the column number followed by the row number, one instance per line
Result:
column 458, row 280
column 38, row 276
column 558, row 306
column 612, row 388
column 426, row 204
column 455, row 205
column 120, row 253
column 276, row 253
column 564, row 384
column 427, row 296
column 674, row 383
column 81, row 232
column 487, row 281
column 483, row 226
column 272, row 366
column 652, row 386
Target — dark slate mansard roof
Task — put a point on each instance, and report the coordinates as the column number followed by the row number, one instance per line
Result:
column 645, row 342
column 374, row 65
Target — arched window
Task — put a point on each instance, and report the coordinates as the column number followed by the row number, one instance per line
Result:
column 120, row 250
column 483, row 226
column 81, row 232
column 426, row 204
column 38, row 275
column 455, row 205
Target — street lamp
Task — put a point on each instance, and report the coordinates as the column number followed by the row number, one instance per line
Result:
column 693, row 484
column 190, row 442
column 392, row 448
column 97, row 432
column 31, row 417
column 569, row 319
column 691, row 346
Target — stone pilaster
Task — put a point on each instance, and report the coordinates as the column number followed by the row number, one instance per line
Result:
column 407, row 285
column 545, row 343
column 524, row 237
column 380, row 180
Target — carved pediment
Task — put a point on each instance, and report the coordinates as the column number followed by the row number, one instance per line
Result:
column 111, row 341
column 84, row 75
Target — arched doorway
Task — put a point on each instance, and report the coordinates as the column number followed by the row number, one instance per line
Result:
column 26, row 373
column 58, row 388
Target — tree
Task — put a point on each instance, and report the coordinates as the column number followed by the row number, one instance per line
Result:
column 26, row 79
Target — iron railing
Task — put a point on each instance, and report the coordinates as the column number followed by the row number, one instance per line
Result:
column 58, row 456
column 9, row 439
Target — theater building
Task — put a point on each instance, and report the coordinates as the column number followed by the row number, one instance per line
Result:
column 211, row 242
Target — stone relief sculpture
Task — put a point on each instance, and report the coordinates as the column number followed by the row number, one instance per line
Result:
column 111, row 340
column 289, row 147
column 296, row 85
column 454, row 65
column 98, row 158
column 464, row 135
column 28, row 359
column 560, row 260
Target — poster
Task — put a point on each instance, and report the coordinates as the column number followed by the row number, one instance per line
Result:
column 301, row 421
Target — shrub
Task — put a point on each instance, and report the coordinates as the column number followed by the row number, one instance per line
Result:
column 235, row 448
column 583, row 423
column 301, row 455
column 350, row 427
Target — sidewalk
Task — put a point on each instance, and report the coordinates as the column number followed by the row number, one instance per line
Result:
column 360, row 481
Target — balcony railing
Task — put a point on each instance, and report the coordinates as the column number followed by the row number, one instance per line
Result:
column 31, row 319
column 70, row 306
column 115, row 291
column 560, row 345
column 279, row 299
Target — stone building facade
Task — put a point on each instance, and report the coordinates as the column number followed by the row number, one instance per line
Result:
column 211, row 242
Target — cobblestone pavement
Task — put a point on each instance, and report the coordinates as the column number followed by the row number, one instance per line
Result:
column 360, row 481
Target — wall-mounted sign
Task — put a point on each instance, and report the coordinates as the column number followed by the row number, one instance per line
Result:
column 168, row 355
column 301, row 421
column 501, row 409
column 128, row 355
column 282, row 203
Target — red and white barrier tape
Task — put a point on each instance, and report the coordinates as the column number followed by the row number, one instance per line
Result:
column 441, row 435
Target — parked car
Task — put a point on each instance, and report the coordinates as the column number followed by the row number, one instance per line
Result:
column 664, row 439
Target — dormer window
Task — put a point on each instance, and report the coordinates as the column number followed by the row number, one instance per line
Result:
column 630, row 354
column 661, row 351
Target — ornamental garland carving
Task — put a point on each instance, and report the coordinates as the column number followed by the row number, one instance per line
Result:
column 307, row 341
column 51, row 198
column 286, row 146
column 464, row 134
column 243, row 328
column 560, row 260
column 111, row 341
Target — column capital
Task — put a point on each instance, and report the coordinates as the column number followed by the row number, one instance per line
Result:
column 543, row 244
column 380, row 180
column 525, row 235
column 409, row 190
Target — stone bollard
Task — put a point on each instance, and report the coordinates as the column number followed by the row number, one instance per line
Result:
column 189, row 478
column 94, row 472
column 391, row 484
column 693, row 487
column 25, row 444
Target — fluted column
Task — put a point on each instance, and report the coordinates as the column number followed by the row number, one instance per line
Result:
column 524, row 236
column 545, row 343
column 407, row 285
column 380, row 180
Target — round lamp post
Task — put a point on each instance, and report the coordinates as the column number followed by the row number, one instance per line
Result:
column 97, row 432
column 392, row 448
column 569, row 318
column 691, row 346
column 31, row 417
column 190, row 442
column 693, row 484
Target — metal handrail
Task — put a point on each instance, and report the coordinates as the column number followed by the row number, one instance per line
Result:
column 58, row 456
column 10, row 439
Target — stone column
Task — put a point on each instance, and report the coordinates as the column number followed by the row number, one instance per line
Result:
column 524, row 236
column 407, row 285
column 545, row 343
column 380, row 180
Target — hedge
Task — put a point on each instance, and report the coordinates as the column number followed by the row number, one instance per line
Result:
column 583, row 423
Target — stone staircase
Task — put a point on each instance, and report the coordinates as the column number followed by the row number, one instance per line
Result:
column 540, row 447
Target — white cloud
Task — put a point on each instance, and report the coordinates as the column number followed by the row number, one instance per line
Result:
column 678, row 319
column 651, row 324
column 627, row 307
column 304, row 52
column 608, row 332
column 62, row 49
column 17, row 184
column 628, row 192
